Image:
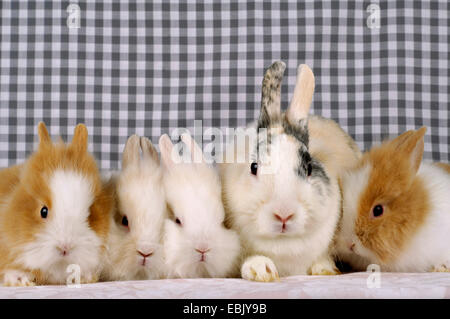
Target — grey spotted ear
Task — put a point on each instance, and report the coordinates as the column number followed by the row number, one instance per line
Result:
column 148, row 150
column 302, row 97
column 271, row 95
column 130, row 155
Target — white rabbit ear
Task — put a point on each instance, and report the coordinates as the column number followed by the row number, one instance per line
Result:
column 303, row 94
column 271, row 95
column 195, row 150
column 148, row 150
column 130, row 155
column 169, row 155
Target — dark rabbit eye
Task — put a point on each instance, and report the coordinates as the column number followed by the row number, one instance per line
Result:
column 125, row 221
column 44, row 212
column 254, row 168
column 309, row 169
column 377, row 211
column 178, row 221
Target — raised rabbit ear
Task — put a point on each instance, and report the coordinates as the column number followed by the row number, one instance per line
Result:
column 80, row 138
column 148, row 150
column 169, row 155
column 130, row 155
column 196, row 151
column 271, row 92
column 411, row 145
column 44, row 137
column 303, row 94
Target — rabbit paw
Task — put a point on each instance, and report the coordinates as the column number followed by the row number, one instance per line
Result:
column 259, row 268
column 17, row 278
column 89, row 279
column 441, row 268
column 324, row 268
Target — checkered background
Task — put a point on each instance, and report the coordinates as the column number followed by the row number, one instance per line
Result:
column 147, row 67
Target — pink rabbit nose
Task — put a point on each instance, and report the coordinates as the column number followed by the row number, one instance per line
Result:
column 145, row 254
column 351, row 246
column 63, row 249
column 202, row 251
column 283, row 219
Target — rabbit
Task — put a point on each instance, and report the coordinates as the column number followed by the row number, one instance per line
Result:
column 284, row 198
column 396, row 209
column 196, row 243
column 134, row 249
column 54, row 214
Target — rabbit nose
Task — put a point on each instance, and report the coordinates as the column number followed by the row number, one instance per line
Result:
column 351, row 246
column 283, row 219
column 145, row 254
column 202, row 251
column 63, row 249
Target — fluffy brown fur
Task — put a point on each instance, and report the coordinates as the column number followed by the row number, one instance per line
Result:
column 393, row 183
column 445, row 166
column 24, row 190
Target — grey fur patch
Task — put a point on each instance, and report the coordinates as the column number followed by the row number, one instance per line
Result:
column 299, row 131
column 317, row 169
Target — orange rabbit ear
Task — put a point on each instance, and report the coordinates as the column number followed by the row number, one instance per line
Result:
column 411, row 145
column 44, row 137
column 80, row 138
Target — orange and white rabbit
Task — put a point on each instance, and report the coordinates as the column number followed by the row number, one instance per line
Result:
column 396, row 209
column 54, row 212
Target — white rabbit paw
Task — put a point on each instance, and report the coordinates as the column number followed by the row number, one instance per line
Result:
column 259, row 268
column 324, row 268
column 17, row 278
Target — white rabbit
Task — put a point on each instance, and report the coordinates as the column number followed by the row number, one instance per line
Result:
column 285, row 203
column 134, row 249
column 196, row 243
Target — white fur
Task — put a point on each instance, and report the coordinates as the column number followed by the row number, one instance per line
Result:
column 141, row 198
column 253, row 200
column 428, row 248
column 353, row 183
column 66, row 226
column 193, row 192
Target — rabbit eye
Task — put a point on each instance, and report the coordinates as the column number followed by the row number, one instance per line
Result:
column 44, row 212
column 254, row 168
column 309, row 169
column 178, row 221
column 377, row 211
column 125, row 221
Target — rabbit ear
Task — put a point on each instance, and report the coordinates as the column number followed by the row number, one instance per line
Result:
column 148, row 150
column 270, row 98
column 196, row 151
column 44, row 137
column 303, row 94
column 130, row 155
column 169, row 155
column 80, row 138
column 411, row 145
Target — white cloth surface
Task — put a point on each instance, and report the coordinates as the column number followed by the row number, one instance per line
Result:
column 354, row 285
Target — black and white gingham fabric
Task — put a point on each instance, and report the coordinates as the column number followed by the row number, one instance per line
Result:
column 147, row 67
